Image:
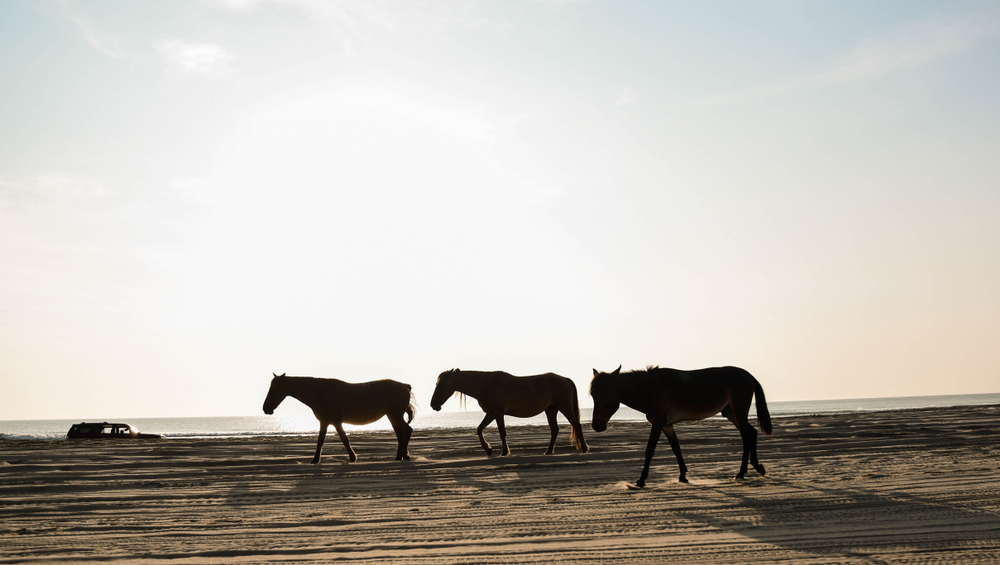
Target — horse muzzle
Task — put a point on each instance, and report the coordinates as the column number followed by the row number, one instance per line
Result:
column 599, row 425
column 436, row 408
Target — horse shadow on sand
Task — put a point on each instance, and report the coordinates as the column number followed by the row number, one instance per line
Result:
column 839, row 523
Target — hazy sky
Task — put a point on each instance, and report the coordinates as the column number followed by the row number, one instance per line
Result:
column 196, row 194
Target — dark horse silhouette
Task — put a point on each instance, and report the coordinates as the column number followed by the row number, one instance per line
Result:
column 501, row 394
column 336, row 402
column 667, row 396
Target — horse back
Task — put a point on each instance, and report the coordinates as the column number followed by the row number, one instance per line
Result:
column 697, row 394
column 393, row 392
column 546, row 384
column 521, row 396
column 534, row 393
column 360, row 403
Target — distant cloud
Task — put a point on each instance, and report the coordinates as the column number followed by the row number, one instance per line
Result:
column 626, row 96
column 110, row 44
column 239, row 4
column 910, row 45
column 69, row 187
column 51, row 187
column 357, row 23
column 7, row 193
column 556, row 4
column 432, row 114
column 194, row 58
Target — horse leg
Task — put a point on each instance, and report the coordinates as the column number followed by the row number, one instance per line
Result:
column 319, row 443
column 482, row 426
column 746, row 450
column 403, row 433
column 654, row 436
column 751, row 434
column 748, row 435
column 676, row 448
column 550, row 413
column 730, row 415
column 347, row 443
column 503, row 436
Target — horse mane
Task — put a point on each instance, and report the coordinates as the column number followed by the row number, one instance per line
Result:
column 643, row 375
column 448, row 372
column 636, row 377
column 601, row 382
column 648, row 369
column 461, row 397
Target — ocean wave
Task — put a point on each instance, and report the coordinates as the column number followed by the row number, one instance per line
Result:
column 306, row 425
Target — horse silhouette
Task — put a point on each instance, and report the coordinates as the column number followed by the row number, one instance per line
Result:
column 667, row 396
column 502, row 394
column 335, row 402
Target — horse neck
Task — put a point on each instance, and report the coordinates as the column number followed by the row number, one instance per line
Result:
column 302, row 389
column 469, row 384
column 635, row 390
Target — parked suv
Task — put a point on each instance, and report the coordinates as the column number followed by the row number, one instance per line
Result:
column 106, row 430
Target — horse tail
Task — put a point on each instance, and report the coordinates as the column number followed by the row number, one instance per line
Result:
column 763, row 416
column 412, row 406
column 578, row 441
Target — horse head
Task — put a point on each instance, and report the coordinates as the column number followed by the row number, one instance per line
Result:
column 606, row 398
column 275, row 394
column 443, row 390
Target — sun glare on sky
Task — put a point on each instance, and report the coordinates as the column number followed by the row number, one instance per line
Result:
column 196, row 194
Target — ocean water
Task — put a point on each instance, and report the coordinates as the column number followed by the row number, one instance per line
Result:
column 255, row 426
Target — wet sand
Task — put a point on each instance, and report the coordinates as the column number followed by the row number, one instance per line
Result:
column 912, row 486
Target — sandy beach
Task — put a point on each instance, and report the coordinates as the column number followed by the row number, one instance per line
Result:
column 915, row 486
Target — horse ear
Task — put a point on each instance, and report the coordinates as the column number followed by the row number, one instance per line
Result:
column 285, row 374
column 595, row 372
column 618, row 370
column 273, row 373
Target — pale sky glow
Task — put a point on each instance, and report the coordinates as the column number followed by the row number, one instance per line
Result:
column 196, row 194
column 203, row 58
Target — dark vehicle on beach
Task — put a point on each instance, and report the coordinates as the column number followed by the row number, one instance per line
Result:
column 106, row 430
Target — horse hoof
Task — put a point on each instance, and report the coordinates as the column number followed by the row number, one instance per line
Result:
column 739, row 476
column 682, row 479
column 640, row 483
column 489, row 452
column 760, row 469
column 315, row 461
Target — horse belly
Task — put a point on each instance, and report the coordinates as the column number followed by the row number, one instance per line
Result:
column 684, row 415
column 355, row 415
column 526, row 409
column 362, row 418
column 523, row 413
column 695, row 410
